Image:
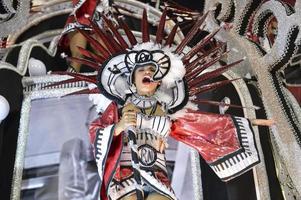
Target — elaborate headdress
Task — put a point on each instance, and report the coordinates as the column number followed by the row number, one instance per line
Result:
column 179, row 67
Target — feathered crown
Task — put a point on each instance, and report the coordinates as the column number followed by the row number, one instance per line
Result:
column 180, row 67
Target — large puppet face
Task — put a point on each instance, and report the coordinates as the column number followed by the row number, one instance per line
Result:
column 143, row 81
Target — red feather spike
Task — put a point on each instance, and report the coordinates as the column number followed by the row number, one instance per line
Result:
column 96, row 44
column 73, row 74
column 194, row 73
column 144, row 27
column 116, row 33
column 171, row 36
column 72, row 80
column 192, row 65
column 127, row 31
column 85, row 62
column 85, row 91
column 216, row 103
column 91, row 55
column 191, row 33
column 81, row 77
column 211, row 86
column 199, row 45
column 212, row 74
column 160, row 29
column 106, row 41
column 118, row 48
column 62, row 72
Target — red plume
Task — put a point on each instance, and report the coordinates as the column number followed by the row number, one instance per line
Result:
column 144, row 27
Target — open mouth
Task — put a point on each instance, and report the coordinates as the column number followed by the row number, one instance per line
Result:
column 146, row 80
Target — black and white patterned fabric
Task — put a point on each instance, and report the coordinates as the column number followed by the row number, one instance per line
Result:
column 247, row 157
column 143, row 102
column 157, row 125
column 101, row 147
column 148, row 146
column 136, row 59
column 151, row 160
column 115, row 80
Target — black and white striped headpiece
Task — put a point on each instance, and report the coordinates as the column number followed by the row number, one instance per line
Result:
column 157, row 58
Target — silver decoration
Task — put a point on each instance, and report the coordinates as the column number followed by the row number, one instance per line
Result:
column 211, row 24
column 285, row 136
column 237, row 52
column 38, row 93
column 36, row 19
column 21, row 146
column 288, row 189
column 8, row 6
column 18, row 17
column 24, row 56
column 241, row 8
column 225, row 8
column 28, row 20
column 260, row 66
column 196, row 175
column 60, row 7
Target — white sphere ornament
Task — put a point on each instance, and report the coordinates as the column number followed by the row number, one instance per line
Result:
column 4, row 108
column 36, row 67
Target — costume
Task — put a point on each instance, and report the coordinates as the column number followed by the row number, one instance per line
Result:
column 78, row 18
column 225, row 142
column 125, row 165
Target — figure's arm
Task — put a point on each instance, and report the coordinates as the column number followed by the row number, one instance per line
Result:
column 76, row 40
column 225, row 142
column 262, row 122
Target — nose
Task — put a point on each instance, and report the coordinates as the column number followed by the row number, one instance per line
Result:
column 149, row 71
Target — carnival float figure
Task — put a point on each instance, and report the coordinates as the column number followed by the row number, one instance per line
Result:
column 153, row 84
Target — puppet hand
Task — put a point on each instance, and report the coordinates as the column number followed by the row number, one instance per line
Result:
column 262, row 122
column 128, row 119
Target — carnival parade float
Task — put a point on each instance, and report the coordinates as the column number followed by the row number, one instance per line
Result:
column 216, row 114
